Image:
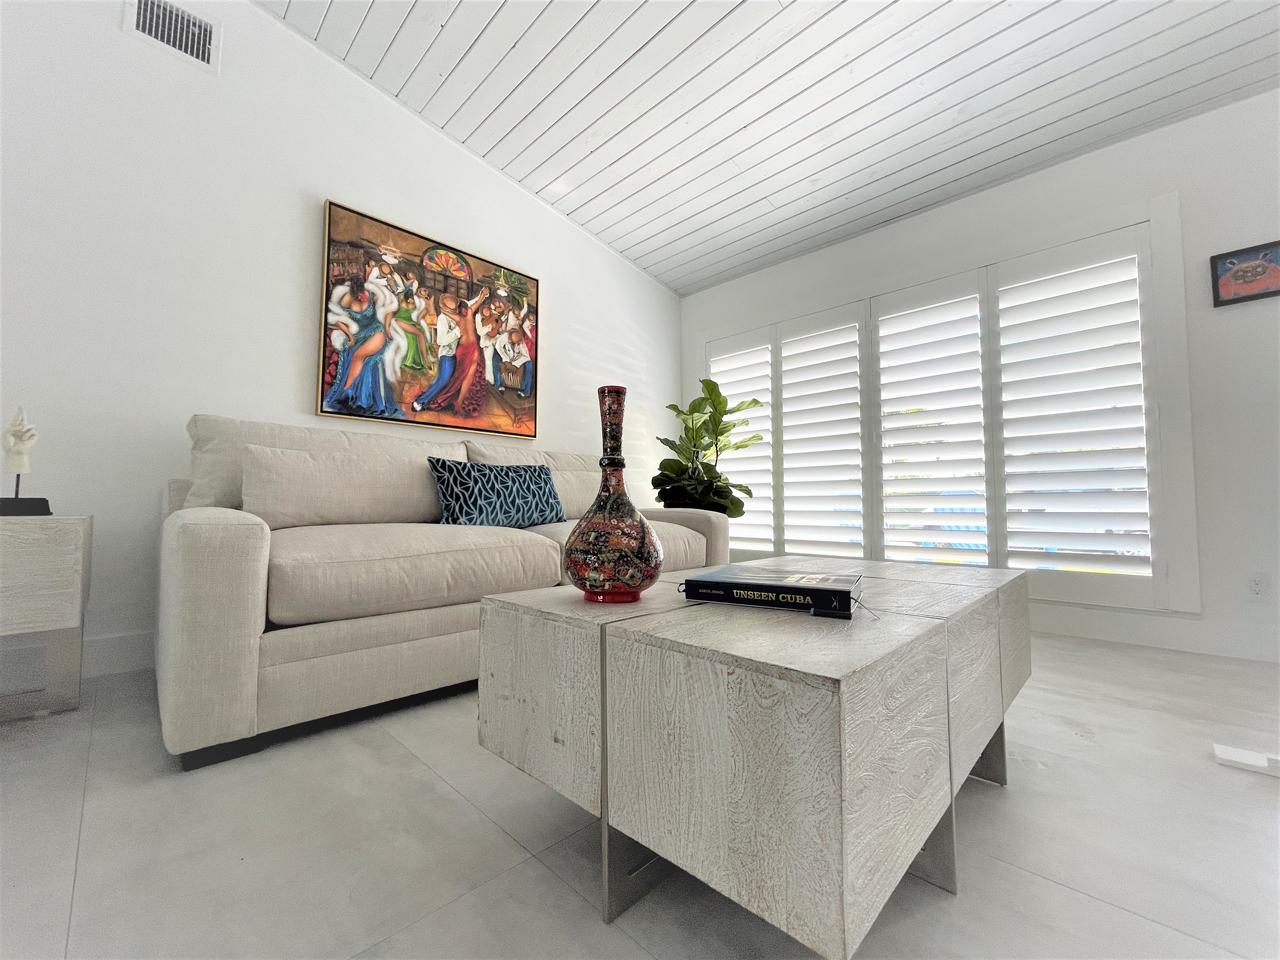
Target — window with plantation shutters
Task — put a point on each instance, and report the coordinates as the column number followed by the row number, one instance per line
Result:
column 931, row 434
column 1075, row 457
column 821, row 444
column 1007, row 416
column 741, row 376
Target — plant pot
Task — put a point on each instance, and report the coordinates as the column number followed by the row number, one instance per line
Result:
column 612, row 554
column 677, row 498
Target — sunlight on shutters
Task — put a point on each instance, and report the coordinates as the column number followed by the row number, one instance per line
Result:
column 1074, row 435
column 742, row 376
column 931, row 434
column 821, row 452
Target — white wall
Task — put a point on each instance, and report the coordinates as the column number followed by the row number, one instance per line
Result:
column 161, row 254
column 1222, row 165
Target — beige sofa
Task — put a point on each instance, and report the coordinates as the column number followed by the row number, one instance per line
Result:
column 304, row 572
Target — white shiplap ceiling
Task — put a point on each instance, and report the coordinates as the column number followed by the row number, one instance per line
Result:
column 704, row 139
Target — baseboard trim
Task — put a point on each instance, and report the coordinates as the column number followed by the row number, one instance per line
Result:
column 1179, row 632
column 126, row 653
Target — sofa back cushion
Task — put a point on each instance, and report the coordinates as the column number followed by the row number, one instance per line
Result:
column 305, row 488
column 576, row 475
column 219, row 448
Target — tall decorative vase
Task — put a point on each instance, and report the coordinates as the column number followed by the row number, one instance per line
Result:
column 612, row 554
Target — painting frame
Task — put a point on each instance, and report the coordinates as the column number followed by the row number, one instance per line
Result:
column 1222, row 265
column 523, row 423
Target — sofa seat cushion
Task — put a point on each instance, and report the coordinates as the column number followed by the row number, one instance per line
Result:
column 319, row 574
column 682, row 548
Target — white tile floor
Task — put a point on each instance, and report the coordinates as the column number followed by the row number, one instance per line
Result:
column 398, row 836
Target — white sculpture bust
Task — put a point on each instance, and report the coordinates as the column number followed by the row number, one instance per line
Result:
column 19, row 438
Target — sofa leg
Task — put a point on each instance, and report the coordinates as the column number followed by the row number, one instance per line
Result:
column 195, row 759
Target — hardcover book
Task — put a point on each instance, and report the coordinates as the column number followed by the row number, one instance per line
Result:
column 823, row 595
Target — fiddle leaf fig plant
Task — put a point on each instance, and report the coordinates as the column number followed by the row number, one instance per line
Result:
column 692, row 478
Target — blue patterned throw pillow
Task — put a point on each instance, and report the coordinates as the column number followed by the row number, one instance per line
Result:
column 496, row 495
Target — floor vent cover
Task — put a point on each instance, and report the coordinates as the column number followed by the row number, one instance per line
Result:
column 178, row 29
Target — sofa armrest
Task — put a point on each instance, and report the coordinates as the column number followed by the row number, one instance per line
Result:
column 713, row 526
column 212, row 611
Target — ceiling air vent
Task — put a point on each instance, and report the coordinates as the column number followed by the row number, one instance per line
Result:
column 181, row 31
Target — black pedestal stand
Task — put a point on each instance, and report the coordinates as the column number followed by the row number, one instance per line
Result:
column 20, row 506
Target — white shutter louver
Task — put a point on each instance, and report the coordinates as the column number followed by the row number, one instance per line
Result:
column 742, row 376
column 934, row 488
column 1074, row 436
column 821, row 444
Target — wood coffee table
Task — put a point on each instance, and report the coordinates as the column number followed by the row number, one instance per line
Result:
column 796, row 764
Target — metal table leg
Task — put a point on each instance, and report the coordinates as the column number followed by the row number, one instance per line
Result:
column 628, row 870
column 936, row 861
column 991, row 765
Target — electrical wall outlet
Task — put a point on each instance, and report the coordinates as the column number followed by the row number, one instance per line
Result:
column 1257, row 588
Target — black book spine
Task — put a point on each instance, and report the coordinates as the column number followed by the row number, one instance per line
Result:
column 818, row 601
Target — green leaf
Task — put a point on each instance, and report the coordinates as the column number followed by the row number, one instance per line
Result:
column 673, row 466
column 716, row 400
column 743, row 443
column 670, row 444
column 692, row 421
column 681, row 448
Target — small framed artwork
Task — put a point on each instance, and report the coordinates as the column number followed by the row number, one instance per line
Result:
column 418, row 331
column 1247, row 274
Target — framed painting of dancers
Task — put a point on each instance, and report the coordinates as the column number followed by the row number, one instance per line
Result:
column 416, row 331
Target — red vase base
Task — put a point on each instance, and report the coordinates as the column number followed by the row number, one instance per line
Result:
column 611, row 596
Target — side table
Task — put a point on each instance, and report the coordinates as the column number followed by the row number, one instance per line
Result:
column 44, row 584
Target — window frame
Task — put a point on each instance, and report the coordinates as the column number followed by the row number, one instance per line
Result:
column 1152, row 234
